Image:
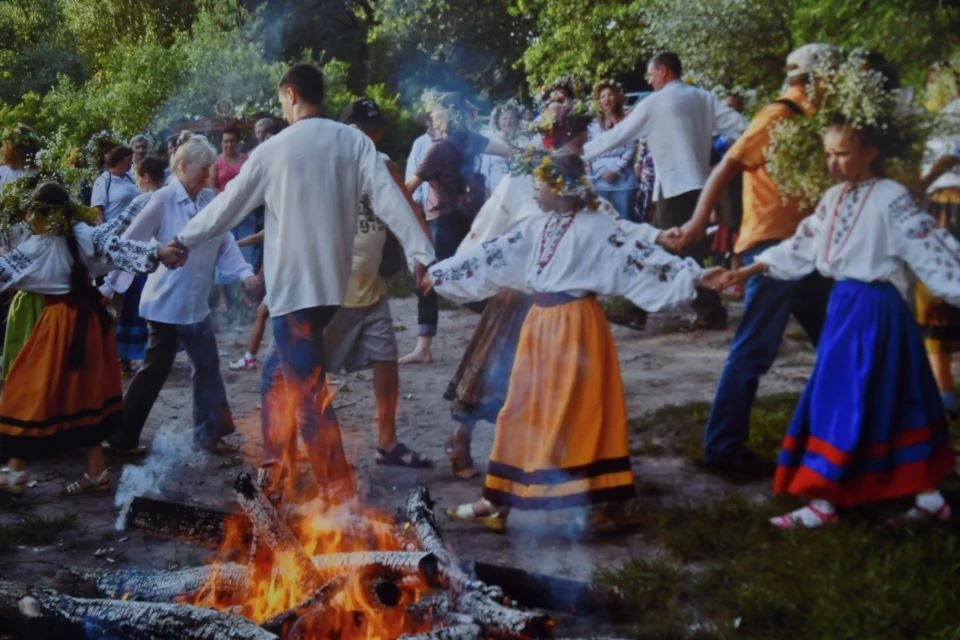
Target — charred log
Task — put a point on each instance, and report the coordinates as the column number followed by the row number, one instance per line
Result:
column 47, row 613
column 421, row 563
column 320, row 600
column 457, row 627
column 270, row 530
column 538, row 591
column 224, row 581
column 186, row 523
column 501, row 621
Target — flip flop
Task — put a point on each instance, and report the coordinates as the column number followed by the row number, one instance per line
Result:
column 402, row 456
column 496, row 520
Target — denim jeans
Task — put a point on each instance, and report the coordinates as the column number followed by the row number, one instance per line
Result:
column 211, row 413
column 768, row 304
column 623, row 200
column 247, row 227
column 295, row 396
column 448, row 232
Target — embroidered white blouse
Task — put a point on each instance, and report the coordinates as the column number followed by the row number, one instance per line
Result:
column 179, row 296
column 513, row 202
column 42, row 264
column 578, row 254
column 869, row 232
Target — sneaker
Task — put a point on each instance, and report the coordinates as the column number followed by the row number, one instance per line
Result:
column 244, row 364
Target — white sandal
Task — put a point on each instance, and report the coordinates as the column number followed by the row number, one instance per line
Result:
column 495, row 519
column 87, row 485
column 919, row 514
column 808, row 517
column 13, row 482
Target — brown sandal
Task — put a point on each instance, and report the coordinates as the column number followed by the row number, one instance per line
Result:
column 460, row 461
column 87, row 485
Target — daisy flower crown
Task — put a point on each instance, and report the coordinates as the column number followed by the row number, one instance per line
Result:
column 546, row 172
column 22, row 137
column 17, row 206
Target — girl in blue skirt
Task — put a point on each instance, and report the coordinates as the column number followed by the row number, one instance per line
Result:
column 870, row 424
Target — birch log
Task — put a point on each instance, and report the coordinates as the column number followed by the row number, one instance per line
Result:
column 226, row 581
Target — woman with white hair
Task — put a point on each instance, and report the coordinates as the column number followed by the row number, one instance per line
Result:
column 175, row 305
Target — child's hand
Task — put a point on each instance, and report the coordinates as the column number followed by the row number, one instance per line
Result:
column 715, row 278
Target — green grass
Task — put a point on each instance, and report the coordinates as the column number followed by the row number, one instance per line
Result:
column 32, row 530
column 861, row 579
column 678, row 430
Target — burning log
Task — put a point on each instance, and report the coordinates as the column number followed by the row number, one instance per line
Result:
column 458, row 627
column 422, row 563
column 187, row 523
column 320, row 599
column 228, row 581
column 35, row 608
column 429, row 610
column 273, row 532
column 503, row 622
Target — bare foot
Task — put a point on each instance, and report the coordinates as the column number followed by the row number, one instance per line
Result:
column 417, row 357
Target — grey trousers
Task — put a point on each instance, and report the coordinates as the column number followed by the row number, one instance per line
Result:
column 211, row 413
column 675, row 212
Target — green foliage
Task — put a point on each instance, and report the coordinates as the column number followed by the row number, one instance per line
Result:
column 470, row 46
column 588, row 38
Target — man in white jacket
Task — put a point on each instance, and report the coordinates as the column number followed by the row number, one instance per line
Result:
column 310, row 178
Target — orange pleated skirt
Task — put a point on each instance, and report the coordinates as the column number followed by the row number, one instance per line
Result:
column 46, row 408
column 561, row 437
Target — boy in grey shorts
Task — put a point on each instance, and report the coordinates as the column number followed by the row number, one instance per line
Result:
column 360, row 335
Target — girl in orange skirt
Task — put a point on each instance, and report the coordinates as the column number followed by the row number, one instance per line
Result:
column 63, row 390
column 561, row 437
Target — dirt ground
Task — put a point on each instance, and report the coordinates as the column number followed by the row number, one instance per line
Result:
column 661, row 366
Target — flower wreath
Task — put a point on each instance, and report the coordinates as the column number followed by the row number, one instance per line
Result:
column 96, row 143
column 545, row 123
column 852, row 89
column 17, row 206
column 565, row 186
column 607, row 83
column 510, row 105
column 559, row 90
column 23, row 137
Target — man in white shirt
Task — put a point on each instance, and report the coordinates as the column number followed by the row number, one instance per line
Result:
column 678, row 123
column 310, row 178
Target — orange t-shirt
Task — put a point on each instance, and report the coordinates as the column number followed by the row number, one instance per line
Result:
column 765, row 216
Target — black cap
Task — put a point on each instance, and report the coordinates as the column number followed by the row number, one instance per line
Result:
column 361, row 112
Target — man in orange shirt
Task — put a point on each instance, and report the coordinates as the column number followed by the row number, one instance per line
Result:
column 768, row 303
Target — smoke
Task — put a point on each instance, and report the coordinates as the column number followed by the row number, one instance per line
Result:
column 171, row 451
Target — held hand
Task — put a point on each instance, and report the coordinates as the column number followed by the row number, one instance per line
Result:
column 671, row 239
column 172, row 256
column 610, row 176
column 255, row 287
column 422, row 278
column 691, row 234
column 714, row 278
column 734, row 278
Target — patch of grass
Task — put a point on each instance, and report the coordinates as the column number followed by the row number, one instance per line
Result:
column 860, row 579
column 678, row 429
column 34, row 530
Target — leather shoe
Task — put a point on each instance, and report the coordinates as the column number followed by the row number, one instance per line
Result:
column 748, row 467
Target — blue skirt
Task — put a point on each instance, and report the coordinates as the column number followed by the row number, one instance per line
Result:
column 131, row 328
column 870, row 425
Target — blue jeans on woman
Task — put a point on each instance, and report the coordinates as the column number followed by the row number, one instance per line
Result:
column 294, row 378
column 623, row 200
column 767, row 306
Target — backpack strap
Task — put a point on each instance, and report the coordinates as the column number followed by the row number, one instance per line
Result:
column 791, row 104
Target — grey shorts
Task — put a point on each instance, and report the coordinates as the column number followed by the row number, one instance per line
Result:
column 356, row 338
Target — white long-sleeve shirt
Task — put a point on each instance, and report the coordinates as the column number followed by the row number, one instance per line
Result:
column 678, row 123
column 42, row 264
column 945, row 145
column 869, row 232
column 417, row 153
column 578, row 254
column 179, row 296
column 310, row 177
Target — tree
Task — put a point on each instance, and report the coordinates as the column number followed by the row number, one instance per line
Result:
column 468, row 46
column 587, row 38
column 34, row 49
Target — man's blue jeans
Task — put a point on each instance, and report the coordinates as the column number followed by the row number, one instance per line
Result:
column 768, row 304
column 295, row 397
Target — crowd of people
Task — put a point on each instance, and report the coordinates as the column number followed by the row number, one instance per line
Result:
column 526, row 224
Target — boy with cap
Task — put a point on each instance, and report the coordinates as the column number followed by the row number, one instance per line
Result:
column 360, row 334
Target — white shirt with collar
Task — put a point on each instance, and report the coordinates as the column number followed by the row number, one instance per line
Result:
column 310, row 177
column 113, row 193
column 179, row 296
column 678, row 123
